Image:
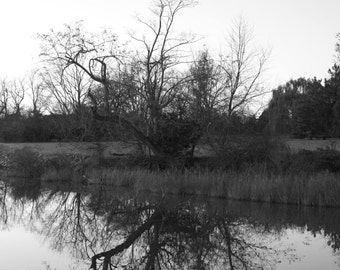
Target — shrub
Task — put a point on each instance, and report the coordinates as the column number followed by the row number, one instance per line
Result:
column 327, row 159
column 176, row 136
column 314, row 161
column 242, row 150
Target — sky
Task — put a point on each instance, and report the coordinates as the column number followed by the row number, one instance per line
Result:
column 301, row 34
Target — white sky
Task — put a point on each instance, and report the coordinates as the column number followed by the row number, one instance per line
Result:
column 300, row 33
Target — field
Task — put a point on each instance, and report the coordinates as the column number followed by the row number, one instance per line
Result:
column 108, row 149
column 306, row 144
column 112, row 149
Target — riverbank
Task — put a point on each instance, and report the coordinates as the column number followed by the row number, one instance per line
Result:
column 303, row 178
column 120, row 148
column 320, row 189
column 251, row 184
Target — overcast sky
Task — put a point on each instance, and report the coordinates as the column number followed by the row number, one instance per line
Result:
column 300, row 33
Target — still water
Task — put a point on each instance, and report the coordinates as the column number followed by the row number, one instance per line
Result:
column 78, row 227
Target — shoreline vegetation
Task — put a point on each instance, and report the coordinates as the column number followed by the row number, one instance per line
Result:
column 302, row 177
column 91, row 87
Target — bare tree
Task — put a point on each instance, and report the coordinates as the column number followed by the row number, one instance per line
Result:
column 76, row 49
column 32, row 85
column 65, row 55
column 241, row 69
column 67, row 87
column 162, row 52
column 100, row 58
column 17, row 94
column 4, row 97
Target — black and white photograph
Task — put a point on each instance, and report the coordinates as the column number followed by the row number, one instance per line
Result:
column 170, row 135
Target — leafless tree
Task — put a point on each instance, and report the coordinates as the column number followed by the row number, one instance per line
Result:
column 4, row 98
column 101, row 58
column 161, row 52
column 17, row 94
column 76, row 52
column 64, row 56
column 67, row 87
column 241, row 68
column 32, row 85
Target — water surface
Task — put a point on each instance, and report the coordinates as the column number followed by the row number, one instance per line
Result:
column 78, row 227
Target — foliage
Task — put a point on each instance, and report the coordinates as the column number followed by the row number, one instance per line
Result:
column 204, row 89
column 56, row 127
column 314, row 161
column 303, row 108
column 176, row 136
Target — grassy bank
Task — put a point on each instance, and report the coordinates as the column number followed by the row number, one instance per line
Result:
column 253, row 184
column 304, row 178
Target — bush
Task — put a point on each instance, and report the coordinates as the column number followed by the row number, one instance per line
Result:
column 240, row 150
column 176, row 136
column 315, row 161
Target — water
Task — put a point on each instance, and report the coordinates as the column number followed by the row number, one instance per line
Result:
column 66, row 227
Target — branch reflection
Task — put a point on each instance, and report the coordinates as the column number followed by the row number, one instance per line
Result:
column 112, row 229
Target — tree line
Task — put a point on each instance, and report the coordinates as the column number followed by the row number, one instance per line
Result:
column 92, row 87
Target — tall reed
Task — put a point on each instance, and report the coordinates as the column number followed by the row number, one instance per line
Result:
column 252, row 183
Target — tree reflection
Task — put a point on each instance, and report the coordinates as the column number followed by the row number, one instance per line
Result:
column 112, row 229
column 3, row 205
column 163, row 237
column 19, row 201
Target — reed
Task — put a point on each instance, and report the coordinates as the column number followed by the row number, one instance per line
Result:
column 306, row 178
column 58, row 175
column 253, row 184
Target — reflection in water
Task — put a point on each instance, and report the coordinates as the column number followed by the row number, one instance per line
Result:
column 111, row 229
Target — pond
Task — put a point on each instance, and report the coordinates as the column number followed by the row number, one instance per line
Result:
column 77, row 227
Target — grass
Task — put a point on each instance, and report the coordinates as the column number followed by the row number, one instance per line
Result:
column 253, row 184
column 306, row 144
column 58, row 175
column 308, row 178
column 121, row 148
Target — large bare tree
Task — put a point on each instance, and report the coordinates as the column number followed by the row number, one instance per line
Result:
column 241, row 68
column 4, row 97
column 161, row 52
column 101, row 58
column 64, row 55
